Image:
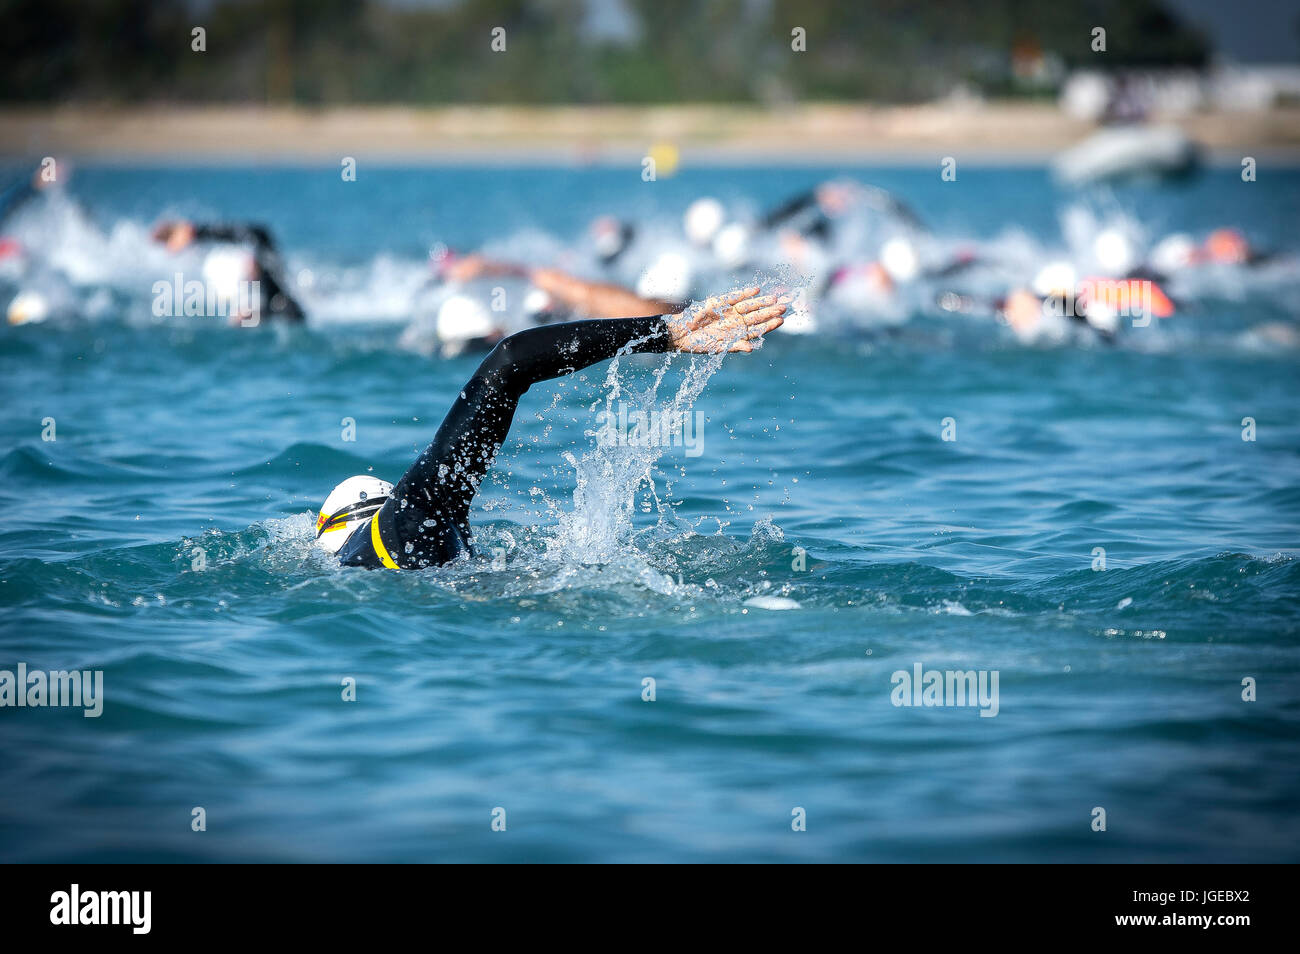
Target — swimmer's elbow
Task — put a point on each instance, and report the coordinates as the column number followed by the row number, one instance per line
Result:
column 503, row 356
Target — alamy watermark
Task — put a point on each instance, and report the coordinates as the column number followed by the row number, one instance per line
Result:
column 83, row 689
column 194, row 298
column 128, row 908
column 947, row 687
column 1100, row 298
column 625, row 427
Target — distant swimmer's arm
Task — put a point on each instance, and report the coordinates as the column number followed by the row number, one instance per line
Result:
column 467, row 268
column 595, row 299
column 789, row 209
column 177, row 235
column 443, row 481
column 587, row 298
column 256, row 235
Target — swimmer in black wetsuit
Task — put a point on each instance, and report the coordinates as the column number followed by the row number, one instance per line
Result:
column 811, row 213
column 424, row 520
column 276, row 302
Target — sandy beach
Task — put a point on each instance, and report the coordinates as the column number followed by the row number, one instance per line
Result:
column 984, row 132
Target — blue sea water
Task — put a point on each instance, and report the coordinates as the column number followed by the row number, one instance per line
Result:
column 164, row 537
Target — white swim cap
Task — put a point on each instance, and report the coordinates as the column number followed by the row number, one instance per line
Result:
column 731, row 245
column 898, row 255
column 1055, row 278
column 703, row 219
column 347, row 507
column 224, row 269
column 1114, row 252
column 538, row 304
column 463, row 318
column 1173, row 253
column 28, row 308
column 1101, row 315
column 668, row 278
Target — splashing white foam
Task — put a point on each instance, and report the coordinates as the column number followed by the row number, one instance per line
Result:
column 599, row 526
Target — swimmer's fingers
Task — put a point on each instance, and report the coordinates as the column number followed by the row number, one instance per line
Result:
column 757, row 330
column 722, row 321
column 759, row 324
column 754, row 304
column 760, row 315
column 741, row 294
column 745, row 346
column 721, row 307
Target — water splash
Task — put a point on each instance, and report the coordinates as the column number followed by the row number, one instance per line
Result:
column 600, row 524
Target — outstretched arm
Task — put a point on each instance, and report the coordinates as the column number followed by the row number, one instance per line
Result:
column 177, row 235
column 587, row 298
column 594, row 299
column 442, row 482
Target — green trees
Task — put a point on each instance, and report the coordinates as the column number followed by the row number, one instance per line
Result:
column 373, row 51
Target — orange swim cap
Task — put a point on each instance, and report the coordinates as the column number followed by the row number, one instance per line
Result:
column 1227, row 247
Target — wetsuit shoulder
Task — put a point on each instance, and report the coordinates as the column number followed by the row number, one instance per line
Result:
column 368, row 546
column 789, row 209
column 397, row 539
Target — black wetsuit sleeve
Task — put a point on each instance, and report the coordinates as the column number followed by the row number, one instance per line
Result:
column 426, row 519
column 802, row 213
column 276, row 300
column 789, row 209
column 256, row 235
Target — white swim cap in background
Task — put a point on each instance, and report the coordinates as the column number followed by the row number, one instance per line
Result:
column 898, row 255
column 538, row 304
column 462, row 318
column 1114, row 252
column 1173, row 253
column 348, row 506
column 731, row 245
column 1101, row 315
column 28, row 308
column 224, row 269
column 703, row 219
column 1055, row 278
column 668, row 278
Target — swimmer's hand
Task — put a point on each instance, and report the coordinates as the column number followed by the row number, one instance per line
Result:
column 727, row 322
column 175, row 235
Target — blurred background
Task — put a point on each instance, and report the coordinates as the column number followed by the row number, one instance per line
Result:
column 1009, row 76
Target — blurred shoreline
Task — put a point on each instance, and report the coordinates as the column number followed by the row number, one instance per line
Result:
column 986, row 133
